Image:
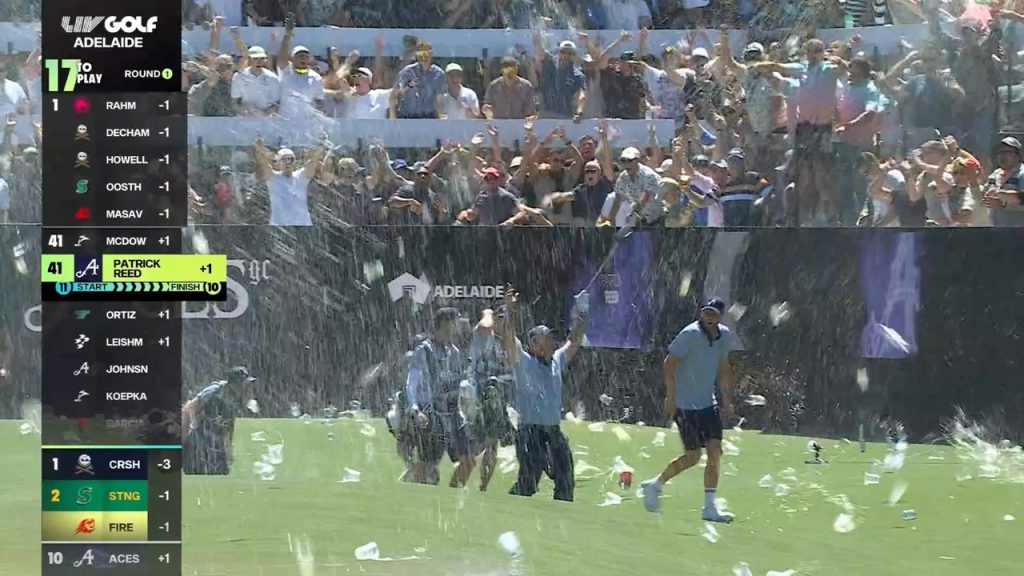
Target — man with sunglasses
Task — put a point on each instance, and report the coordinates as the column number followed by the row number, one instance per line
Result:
column 510, row 95
column 418, row 202
column 421, row 86
column 302, row 87
column 638, row 184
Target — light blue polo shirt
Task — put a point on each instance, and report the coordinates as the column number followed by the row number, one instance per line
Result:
column 538, row 388
column 697, row 367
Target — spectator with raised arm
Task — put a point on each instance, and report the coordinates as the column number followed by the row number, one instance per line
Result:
column 420, row 85
column 562, row 85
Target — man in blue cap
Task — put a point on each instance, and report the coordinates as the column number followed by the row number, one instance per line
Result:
column 540, row 444
column 696, row 365
column 741, row 190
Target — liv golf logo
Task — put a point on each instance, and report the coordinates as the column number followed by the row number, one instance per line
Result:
column 420, row 291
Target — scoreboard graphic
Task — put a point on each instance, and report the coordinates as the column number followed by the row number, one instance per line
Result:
column 112, row 280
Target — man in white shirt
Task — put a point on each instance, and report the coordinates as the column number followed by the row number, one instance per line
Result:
column 626, row 14
column 256, row 90
column 13, row 99
column 458, row 102
column 289, row 186
column 365, row 103
column 639, row 184
column 302, row 87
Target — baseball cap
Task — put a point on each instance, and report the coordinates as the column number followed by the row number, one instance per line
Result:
column 700, row 160
column 1010, row 142
column 223, row 60
column 257, row 52
column 491, row 172
column 299, row 49
column 719, row 164
column 714, row 304
column 754, row 47
column 567, row 45
column 225, row 169
column 240, row 373
column 453, row 67
column 666, row 165
column 285, row 152
column 669, row 183
column 630, row 153
column 700, row 52
column 447, row 314
column 538, row 332
column 736, row 155
column 420, row 167
column 398, row 164
column 364, row 72
column 516, row 162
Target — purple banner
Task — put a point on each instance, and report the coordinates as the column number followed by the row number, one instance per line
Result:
column 621, row 302
column 890, row 279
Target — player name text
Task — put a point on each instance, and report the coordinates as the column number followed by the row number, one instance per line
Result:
column 125, row 342
column 128, row 369
column 126, row 396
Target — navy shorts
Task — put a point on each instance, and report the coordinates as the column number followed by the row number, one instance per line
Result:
column 696, row 427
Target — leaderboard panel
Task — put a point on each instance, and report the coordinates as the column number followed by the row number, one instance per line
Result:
column 113, row 276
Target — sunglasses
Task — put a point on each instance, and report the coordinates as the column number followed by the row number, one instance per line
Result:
column 423, row 53
column 591, row 171
column 631, row 160
column 509, row 68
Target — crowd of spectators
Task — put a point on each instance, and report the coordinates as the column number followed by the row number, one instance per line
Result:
column 522, row 14
column 787, row 132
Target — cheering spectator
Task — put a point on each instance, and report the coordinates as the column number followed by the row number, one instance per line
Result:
column 288, row 187
column 639, row 184
column 255, row 90
column 562, row 85
column 1004, row 194
column 302, row 88
column 510, row 95
column 494, row 204
column 365, row 102
column 418, row 202
column 212, row 96
column 421, row 86
column 458, row 102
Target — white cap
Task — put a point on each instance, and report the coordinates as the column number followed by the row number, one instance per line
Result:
column 453, row 67
column 666, row 165
column 630, row 153
column 300, row 48
column 700, row 52
column 285, row 152
column 365, row 72
column 257, row 52
column 567, row 45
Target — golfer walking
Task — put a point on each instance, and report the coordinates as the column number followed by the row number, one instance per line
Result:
column 697, row 363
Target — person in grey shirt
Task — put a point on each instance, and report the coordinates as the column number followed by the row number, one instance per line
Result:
column 540, row 444
column 492, row 375
column 1004, row 194
column 431, row 398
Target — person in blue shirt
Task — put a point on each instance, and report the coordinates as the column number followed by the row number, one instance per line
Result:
column 696, row 365
column 436, row 370
column 540, row 444
column 420, row 85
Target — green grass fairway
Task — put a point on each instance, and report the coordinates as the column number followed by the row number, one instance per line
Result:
column 240, row 525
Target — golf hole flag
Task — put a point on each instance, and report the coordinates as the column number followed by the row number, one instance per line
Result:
column 621, row 300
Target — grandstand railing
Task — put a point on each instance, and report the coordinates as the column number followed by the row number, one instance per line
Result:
column 458, row 43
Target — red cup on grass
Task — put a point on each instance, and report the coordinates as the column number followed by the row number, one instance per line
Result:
column 625, row 480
